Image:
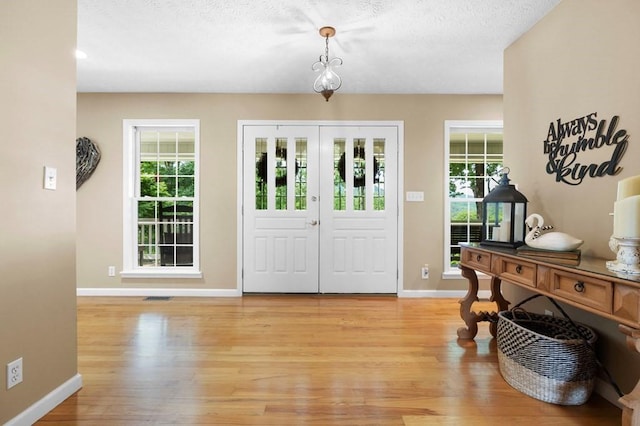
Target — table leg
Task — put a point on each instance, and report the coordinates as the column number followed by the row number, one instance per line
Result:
column 468, row 316
column 471, row 318
column 501, row 303
column 631, row 401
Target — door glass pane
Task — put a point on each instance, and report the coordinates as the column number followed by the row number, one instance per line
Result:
column 378, row 174
column 339, row 189
column 359, row 175
column 281, row 173
column 261, row 173
column 301, row 174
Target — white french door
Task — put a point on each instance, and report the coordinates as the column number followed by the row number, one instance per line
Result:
column 320, row 208
column 280, row 220
column 359, row 210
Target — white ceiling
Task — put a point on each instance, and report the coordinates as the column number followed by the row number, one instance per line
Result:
column 268, row 46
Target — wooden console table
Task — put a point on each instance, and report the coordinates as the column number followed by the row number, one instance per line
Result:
column 589, row 286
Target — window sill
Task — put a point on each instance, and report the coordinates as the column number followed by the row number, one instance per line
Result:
column 457, row 275
column 161, row 273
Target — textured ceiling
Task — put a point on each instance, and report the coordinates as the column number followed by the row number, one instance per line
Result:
column 268, row 46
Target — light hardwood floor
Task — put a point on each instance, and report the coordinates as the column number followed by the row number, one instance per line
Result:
column 295, row 360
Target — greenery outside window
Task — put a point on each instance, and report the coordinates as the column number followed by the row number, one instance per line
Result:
column 473, row 157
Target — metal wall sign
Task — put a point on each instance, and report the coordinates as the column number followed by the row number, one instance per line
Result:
column 568, row 141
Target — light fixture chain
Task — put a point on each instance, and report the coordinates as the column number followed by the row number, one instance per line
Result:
column 326, row 50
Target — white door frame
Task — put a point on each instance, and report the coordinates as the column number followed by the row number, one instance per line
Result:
column 240, row 183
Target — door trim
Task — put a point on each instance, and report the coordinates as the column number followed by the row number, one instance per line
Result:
column 240, row 182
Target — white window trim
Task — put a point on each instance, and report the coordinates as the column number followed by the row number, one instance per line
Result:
column 448, row 272
column 129, row 240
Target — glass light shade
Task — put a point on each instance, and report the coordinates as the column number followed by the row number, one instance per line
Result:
column 504, row 211
column 328, row 81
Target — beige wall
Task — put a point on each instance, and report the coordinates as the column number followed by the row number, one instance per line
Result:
column 581, row 58
column 99, row 207
column 37, row 245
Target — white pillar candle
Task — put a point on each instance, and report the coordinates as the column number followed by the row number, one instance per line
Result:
column 626, row 217
column 628, row 187
column 496, row 234
column 505, row 231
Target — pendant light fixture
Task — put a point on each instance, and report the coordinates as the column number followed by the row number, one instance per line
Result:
column 328, row 81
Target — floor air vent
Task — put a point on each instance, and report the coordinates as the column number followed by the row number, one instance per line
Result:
column 152, row 298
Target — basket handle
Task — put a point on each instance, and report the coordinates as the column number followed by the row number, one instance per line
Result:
column 522, row 311
column 573, row 324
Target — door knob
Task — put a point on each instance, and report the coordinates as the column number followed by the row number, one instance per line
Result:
column 314, row 198
column 313, row 223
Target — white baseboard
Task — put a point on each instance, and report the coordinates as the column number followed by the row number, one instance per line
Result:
column 442, row 294
column 193, row 292
column 169, row 292
column 48, row 403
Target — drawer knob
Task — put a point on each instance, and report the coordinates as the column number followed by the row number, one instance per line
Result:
column 519, row 269
column 478, row 258
column 579, row 286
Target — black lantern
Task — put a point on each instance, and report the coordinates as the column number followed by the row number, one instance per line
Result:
column 504, row 211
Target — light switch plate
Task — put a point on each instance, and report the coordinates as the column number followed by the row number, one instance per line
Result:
column 415, row 196
column 50, row 178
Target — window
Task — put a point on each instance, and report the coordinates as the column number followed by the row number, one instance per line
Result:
column 359, row 190
column 161, row 161
column 473, row 157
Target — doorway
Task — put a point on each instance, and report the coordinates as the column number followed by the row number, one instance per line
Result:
column 320, row 207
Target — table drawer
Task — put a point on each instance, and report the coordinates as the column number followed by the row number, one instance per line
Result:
column 626, row 303
column 476, row 259
column 515, row 271
column 587, row 291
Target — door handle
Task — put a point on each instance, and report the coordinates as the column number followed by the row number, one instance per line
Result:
column 314, row 223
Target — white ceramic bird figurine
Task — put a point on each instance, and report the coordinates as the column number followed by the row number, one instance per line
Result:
column 557, row 241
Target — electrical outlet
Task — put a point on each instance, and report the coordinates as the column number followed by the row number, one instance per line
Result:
column 425, row 272
column 14, row 373
column 111, row 271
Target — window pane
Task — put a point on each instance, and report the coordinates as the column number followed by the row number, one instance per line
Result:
column 186, row 146
column 465, row 211
column 167, row 186
column 176, row 233
column 359, row 175
column 262, row 170
column 146, row 210
column 301, row 174
column 147, row 228
column 167, row 168
column 148, row 179
column 455, row 257
column 281, row 173
column 378, row 174
column 186, row 186
column 339, row 189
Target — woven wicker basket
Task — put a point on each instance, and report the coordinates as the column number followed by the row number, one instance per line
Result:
column 546, row 357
